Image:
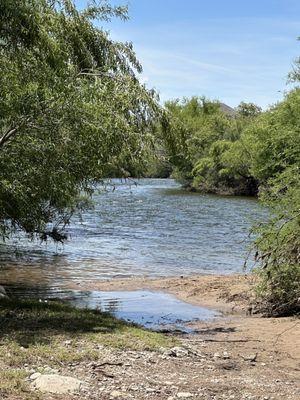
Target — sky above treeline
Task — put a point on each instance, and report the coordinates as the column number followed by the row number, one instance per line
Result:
column 229, row 50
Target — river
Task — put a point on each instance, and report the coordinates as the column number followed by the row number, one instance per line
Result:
column 149, row 227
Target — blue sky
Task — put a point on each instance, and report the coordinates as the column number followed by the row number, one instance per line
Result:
column 225, row 49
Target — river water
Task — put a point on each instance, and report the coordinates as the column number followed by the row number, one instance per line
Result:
column 149, row 227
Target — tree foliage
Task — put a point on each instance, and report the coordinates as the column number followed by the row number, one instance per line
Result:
column 209, row 155
column 72, row 111
column 277, row 166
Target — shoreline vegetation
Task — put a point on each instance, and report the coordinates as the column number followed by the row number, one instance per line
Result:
column 114, row 359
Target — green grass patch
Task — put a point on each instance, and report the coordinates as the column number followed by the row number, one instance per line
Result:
column 34, row 332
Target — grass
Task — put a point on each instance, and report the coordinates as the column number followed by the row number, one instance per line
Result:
column 34, row 334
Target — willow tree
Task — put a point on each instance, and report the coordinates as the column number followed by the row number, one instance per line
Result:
column 72, row 111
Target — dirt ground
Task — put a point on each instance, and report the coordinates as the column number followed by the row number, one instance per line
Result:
column 238, row 356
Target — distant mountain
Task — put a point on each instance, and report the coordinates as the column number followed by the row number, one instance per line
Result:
column 227, row 110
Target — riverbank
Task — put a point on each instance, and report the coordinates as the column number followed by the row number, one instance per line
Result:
column 227, row 293
column 234, row 357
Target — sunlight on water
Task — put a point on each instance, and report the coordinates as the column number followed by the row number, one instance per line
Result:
column 153, row 228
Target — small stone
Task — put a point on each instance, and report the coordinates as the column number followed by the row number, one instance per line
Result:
column 177, row 352
column 250, row 357
column 217, row 355
column 68, row 342
column 3, row 294
column 115, row 394
column 34, row 376
column 227, row 365
column 225, row 355
column 184, row 395
column 150, row 390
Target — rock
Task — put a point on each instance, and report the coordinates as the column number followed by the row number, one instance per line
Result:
column 2, row 290
column 67, row 342
column 57, row 384
column 184, row 395
column 115, row 394
column 3, row 294
column 217, row 355
column 34, row 376
column 250, row 357
column 150, row 390
column 228, row 365
column 177, row 352
column 225, row 355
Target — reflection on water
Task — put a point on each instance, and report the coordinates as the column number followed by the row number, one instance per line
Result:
column 154, row 310
column 154, row 228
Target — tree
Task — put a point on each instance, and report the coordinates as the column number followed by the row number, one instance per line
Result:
column 276, row 146
column 248, row 109
column 72, row 111
column 205, row 146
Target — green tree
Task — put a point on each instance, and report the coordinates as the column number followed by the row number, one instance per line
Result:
column 72, row 111
column 206, row 149
column 276, row 163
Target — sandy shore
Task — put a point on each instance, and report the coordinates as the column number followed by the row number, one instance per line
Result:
column 274, row 343
column 228, row 293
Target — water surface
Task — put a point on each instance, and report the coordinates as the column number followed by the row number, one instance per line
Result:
column 154, row 228
column 152, row 309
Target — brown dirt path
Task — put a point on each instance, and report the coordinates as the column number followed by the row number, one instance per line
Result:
column 239, row 356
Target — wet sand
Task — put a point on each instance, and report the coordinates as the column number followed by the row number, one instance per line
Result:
column 275, row 341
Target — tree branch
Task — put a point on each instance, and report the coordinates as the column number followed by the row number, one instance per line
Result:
column 5, row 138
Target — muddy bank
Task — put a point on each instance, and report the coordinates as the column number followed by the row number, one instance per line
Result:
column 258, row 356
column 227, row 293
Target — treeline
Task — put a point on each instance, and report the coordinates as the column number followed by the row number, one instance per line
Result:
column 245, row 151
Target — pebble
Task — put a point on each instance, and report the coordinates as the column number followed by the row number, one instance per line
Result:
column 177, row 352
column 150, row 390
column 250, row 357
column 184, row 395
column 115, row 394
column 34, row 376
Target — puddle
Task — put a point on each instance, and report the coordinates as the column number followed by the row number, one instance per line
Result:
column 154, row 310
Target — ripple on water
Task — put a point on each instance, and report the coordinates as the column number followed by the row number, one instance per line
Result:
column 154, row 229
